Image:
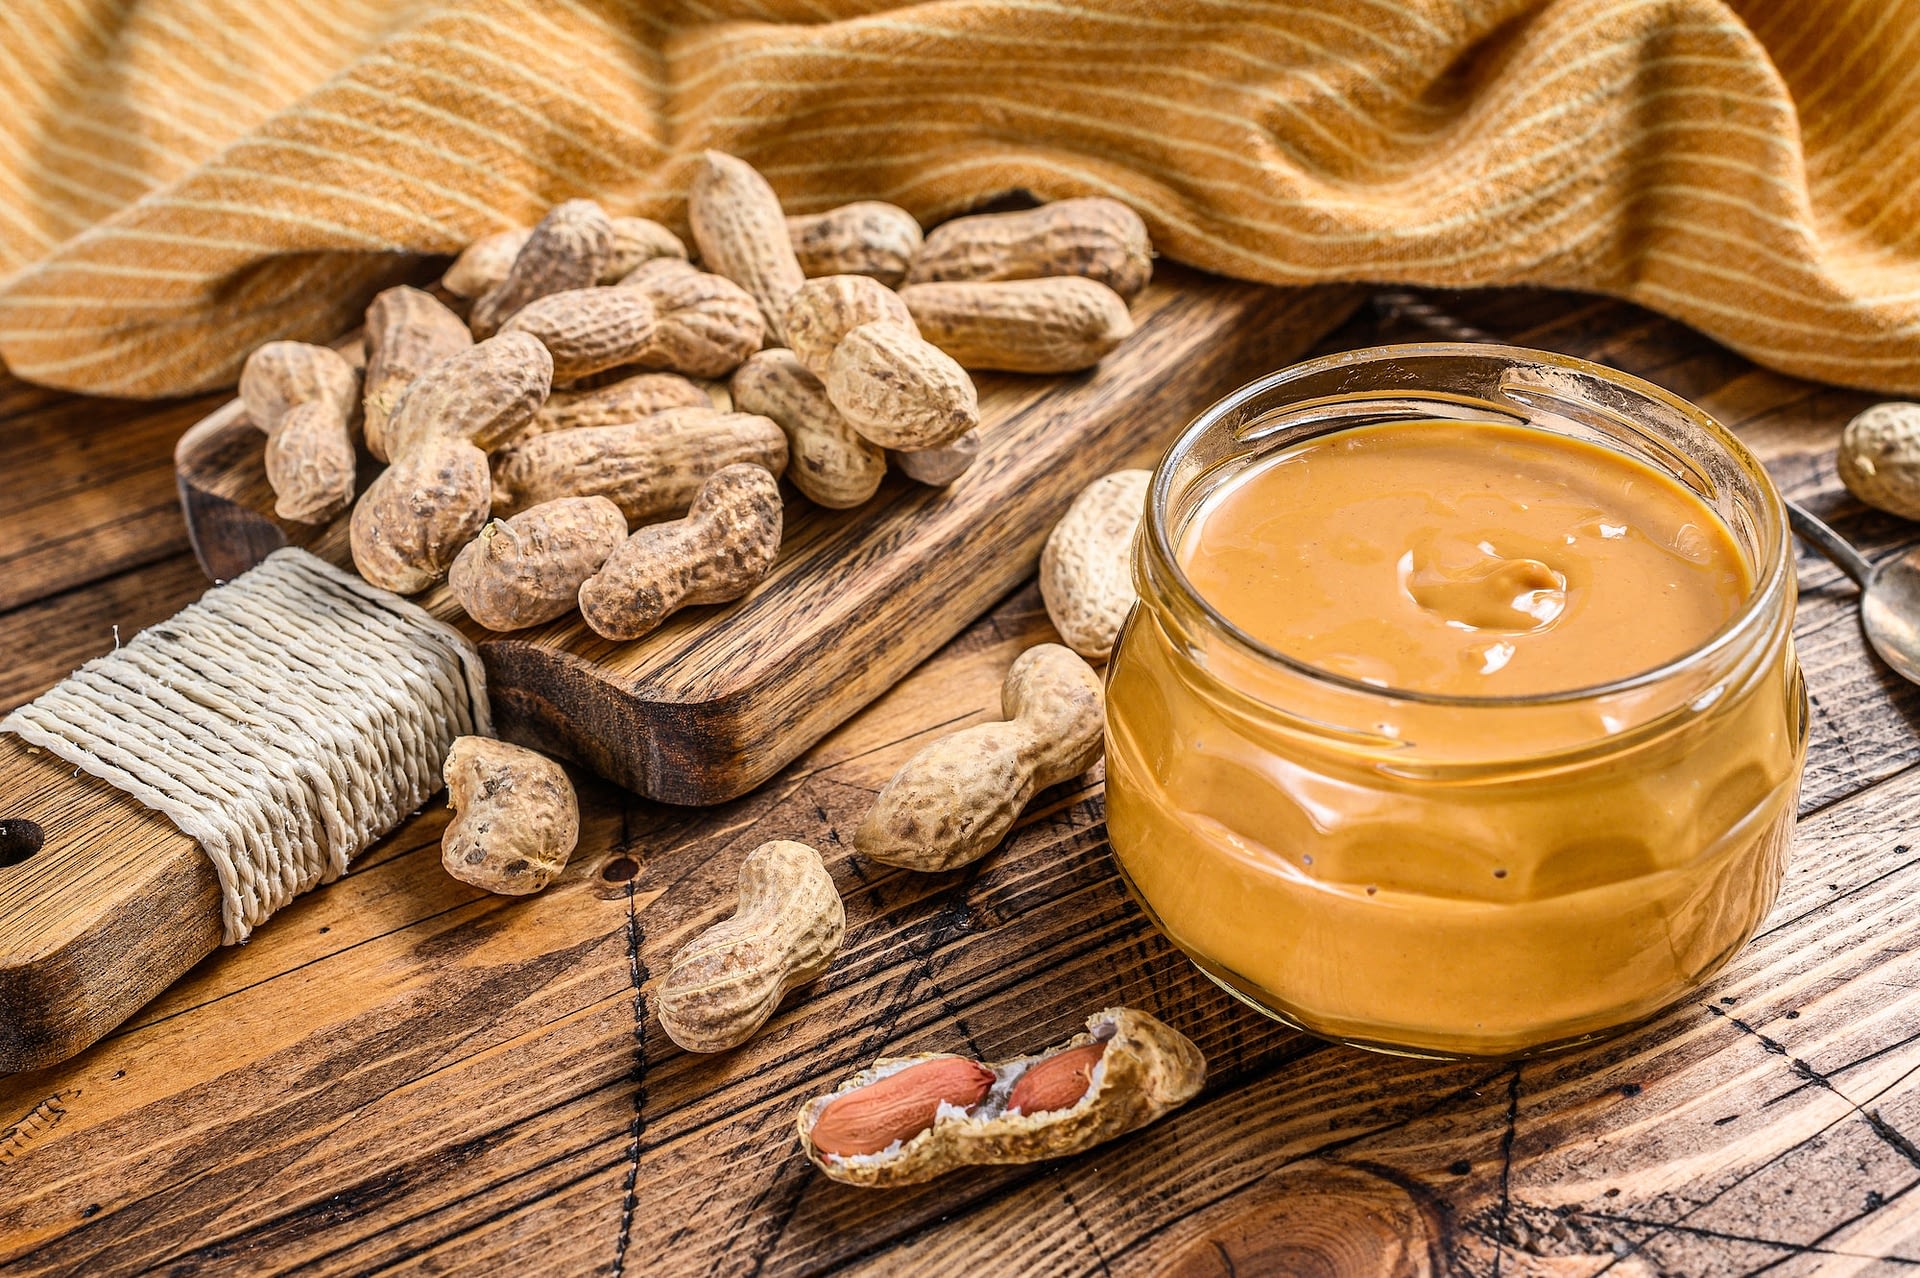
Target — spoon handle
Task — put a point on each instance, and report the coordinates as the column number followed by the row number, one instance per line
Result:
column 1808, row 527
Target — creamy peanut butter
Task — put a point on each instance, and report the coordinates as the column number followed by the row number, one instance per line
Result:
column 1473, row 877
column 1466, row 558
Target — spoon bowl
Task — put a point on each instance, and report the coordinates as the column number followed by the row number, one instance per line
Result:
column 1890, row 613
column 1889, row 592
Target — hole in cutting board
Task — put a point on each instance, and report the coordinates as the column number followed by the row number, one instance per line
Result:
column 19, row 839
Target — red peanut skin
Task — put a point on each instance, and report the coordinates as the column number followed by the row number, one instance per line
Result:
column 899, row 1106
column 1057, row 1082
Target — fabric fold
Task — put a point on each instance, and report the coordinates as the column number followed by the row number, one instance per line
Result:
column 189, row 178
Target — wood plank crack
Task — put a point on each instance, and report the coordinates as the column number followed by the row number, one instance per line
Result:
column 1506, row 1171
column 629, row 1192
column 1881, row 1128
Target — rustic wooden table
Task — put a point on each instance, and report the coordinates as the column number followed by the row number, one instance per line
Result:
column 402, row 1073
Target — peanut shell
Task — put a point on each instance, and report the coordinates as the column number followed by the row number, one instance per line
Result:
column 866, row 237
column 706, row 324
column 484, row 263
column 418, row 514
column 742, row 234
column 1056, row 325
column 1086, row 570
column 311, row 463
column 485, row 395
column 725, row 983
column 515, row 818
column 588, row 330
column 1880, row 458
column 522, row 571
column 635, row 241
column 627, row 400
column 1095, row 237
column 650, row 468
column 722, row 549
column 827, row 460
column 938, row 467
column 898, row 391
column 825, row 310
column 1146, row 1070
column 566, row 250
column 956, row 799
column 279, row 375
column 408, row 332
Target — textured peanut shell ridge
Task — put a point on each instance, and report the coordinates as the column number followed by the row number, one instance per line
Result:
column 588, row 330
column 1059, row 697
column 627, row 400
column 1880, row 458
column 651, row 468
column 955, row 800
column 634, row 241
column 522, row 571
column 311, row 463
column 408, row 332
column 725, row 983
column 938, row 467
column 279, row 375
column 742, row 234
column 827, row 460
column 485, row 262
column 1086, row 570
column 567, row 250
column 1095, row 237
column 1056, row 325
column 706, row 324
column 825, row 310
column 418, row 514
column 515, row 817
column 867, row 237
column 485, row 395
column 1147, row 1069
column 723, row 548
column 899, row 391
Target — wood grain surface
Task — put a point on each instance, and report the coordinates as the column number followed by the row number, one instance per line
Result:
column 400, row 1074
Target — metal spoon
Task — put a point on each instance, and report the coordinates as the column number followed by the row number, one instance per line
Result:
column 1889, row 593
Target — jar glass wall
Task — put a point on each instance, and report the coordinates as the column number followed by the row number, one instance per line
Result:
column 1451, row 875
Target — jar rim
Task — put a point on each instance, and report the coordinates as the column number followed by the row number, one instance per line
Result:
column 1770, row 575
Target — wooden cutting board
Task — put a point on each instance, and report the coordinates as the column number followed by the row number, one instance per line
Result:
column 118, row 903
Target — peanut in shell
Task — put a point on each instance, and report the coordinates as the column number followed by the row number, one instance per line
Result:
column 567, row 250
column 522, row 571
column 899, row 391
column 725, row 983
column 408, row 332
column 1145, row 1069
column 1095, row 237
column 1057, row 325
column 651, row 468
column 742, row 234
column 485, row 395
column 725, row 545
column 867, row 237
column 827, row 460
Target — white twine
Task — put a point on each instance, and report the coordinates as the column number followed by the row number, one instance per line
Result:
column 286, row 720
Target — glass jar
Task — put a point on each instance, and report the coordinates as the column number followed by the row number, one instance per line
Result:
column 1447, row 875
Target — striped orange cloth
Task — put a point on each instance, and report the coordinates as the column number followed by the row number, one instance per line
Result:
column 181, row 180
